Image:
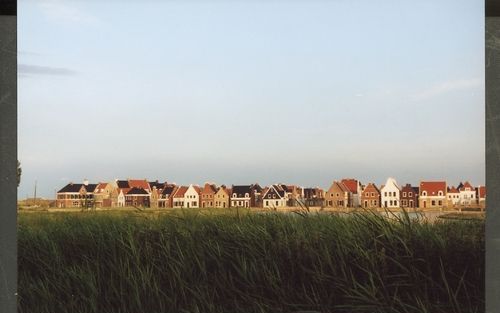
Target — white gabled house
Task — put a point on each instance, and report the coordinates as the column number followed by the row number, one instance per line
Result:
column 275, row 197
column 467, row 194
column 192, row 197
column 390, row 194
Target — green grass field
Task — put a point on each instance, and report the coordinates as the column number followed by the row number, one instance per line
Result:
column 242, row 262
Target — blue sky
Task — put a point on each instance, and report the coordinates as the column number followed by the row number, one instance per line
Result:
column 246, row 91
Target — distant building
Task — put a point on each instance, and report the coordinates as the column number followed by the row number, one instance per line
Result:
column 241, row 196
column 137, row 197
column 409, row 196
column 354, row 187
column 165, row 199
column 370, row 196
column 275, row 197
column 338, row 195
column 481, row 196
column 432, row 194
column 467, row 194
column 314, row 197
column 76, row 195
column 452, row 197
column 192, row 197
column 178, row 197
column 207, row 195
column 222, row 197
column 390, row 194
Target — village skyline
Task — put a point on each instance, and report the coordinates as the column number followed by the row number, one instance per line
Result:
column 242, row 92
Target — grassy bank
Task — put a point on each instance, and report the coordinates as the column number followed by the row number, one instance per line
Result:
column 248, row 263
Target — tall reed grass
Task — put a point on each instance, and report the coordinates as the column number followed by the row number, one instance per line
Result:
column 93, row 262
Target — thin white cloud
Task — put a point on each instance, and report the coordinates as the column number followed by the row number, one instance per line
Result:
column 24, row 69
column 449, row 86
column 63, row 11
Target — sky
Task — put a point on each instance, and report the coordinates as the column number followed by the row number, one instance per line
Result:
column 238, row 92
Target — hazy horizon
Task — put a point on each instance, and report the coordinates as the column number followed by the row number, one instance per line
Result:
column 236, row 93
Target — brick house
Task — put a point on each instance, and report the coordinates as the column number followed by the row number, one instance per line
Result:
column 102, row 195
column 314, row 197
column 432, row 194
column 76, row 195
column 338, row 195
column 137, row 197
column 207, row 195
column 409, row 196
column 370, row 196
column 165, row 199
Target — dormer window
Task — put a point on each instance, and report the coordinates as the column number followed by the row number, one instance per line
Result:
column 440, row 193
column 234, row 195
column 424, row 193
column 247, row 195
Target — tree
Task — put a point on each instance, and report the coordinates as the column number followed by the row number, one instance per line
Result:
column 19, row 170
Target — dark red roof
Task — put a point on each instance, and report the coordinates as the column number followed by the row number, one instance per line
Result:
column 452, row 190
column 432, row 187
column 371, row 187
column 351, row 184
column 180, row 192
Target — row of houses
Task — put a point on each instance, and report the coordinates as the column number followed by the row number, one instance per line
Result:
column 345, row 193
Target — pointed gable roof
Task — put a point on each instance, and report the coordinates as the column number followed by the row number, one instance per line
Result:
column 452, row 189
column 209, row 189
column 100, row 187
column 179, row 193
column 371, row 187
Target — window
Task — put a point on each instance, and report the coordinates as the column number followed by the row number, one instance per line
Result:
column 394, row 194
column 373, row 194
column 267, row 203
column 433, row 202
column 409, row 194
column 404, row 194
column 367, row 194
column 385, row 193
column 440, row 202
column 276, row 203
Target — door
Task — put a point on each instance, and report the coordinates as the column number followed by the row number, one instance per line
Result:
column 366, row 203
